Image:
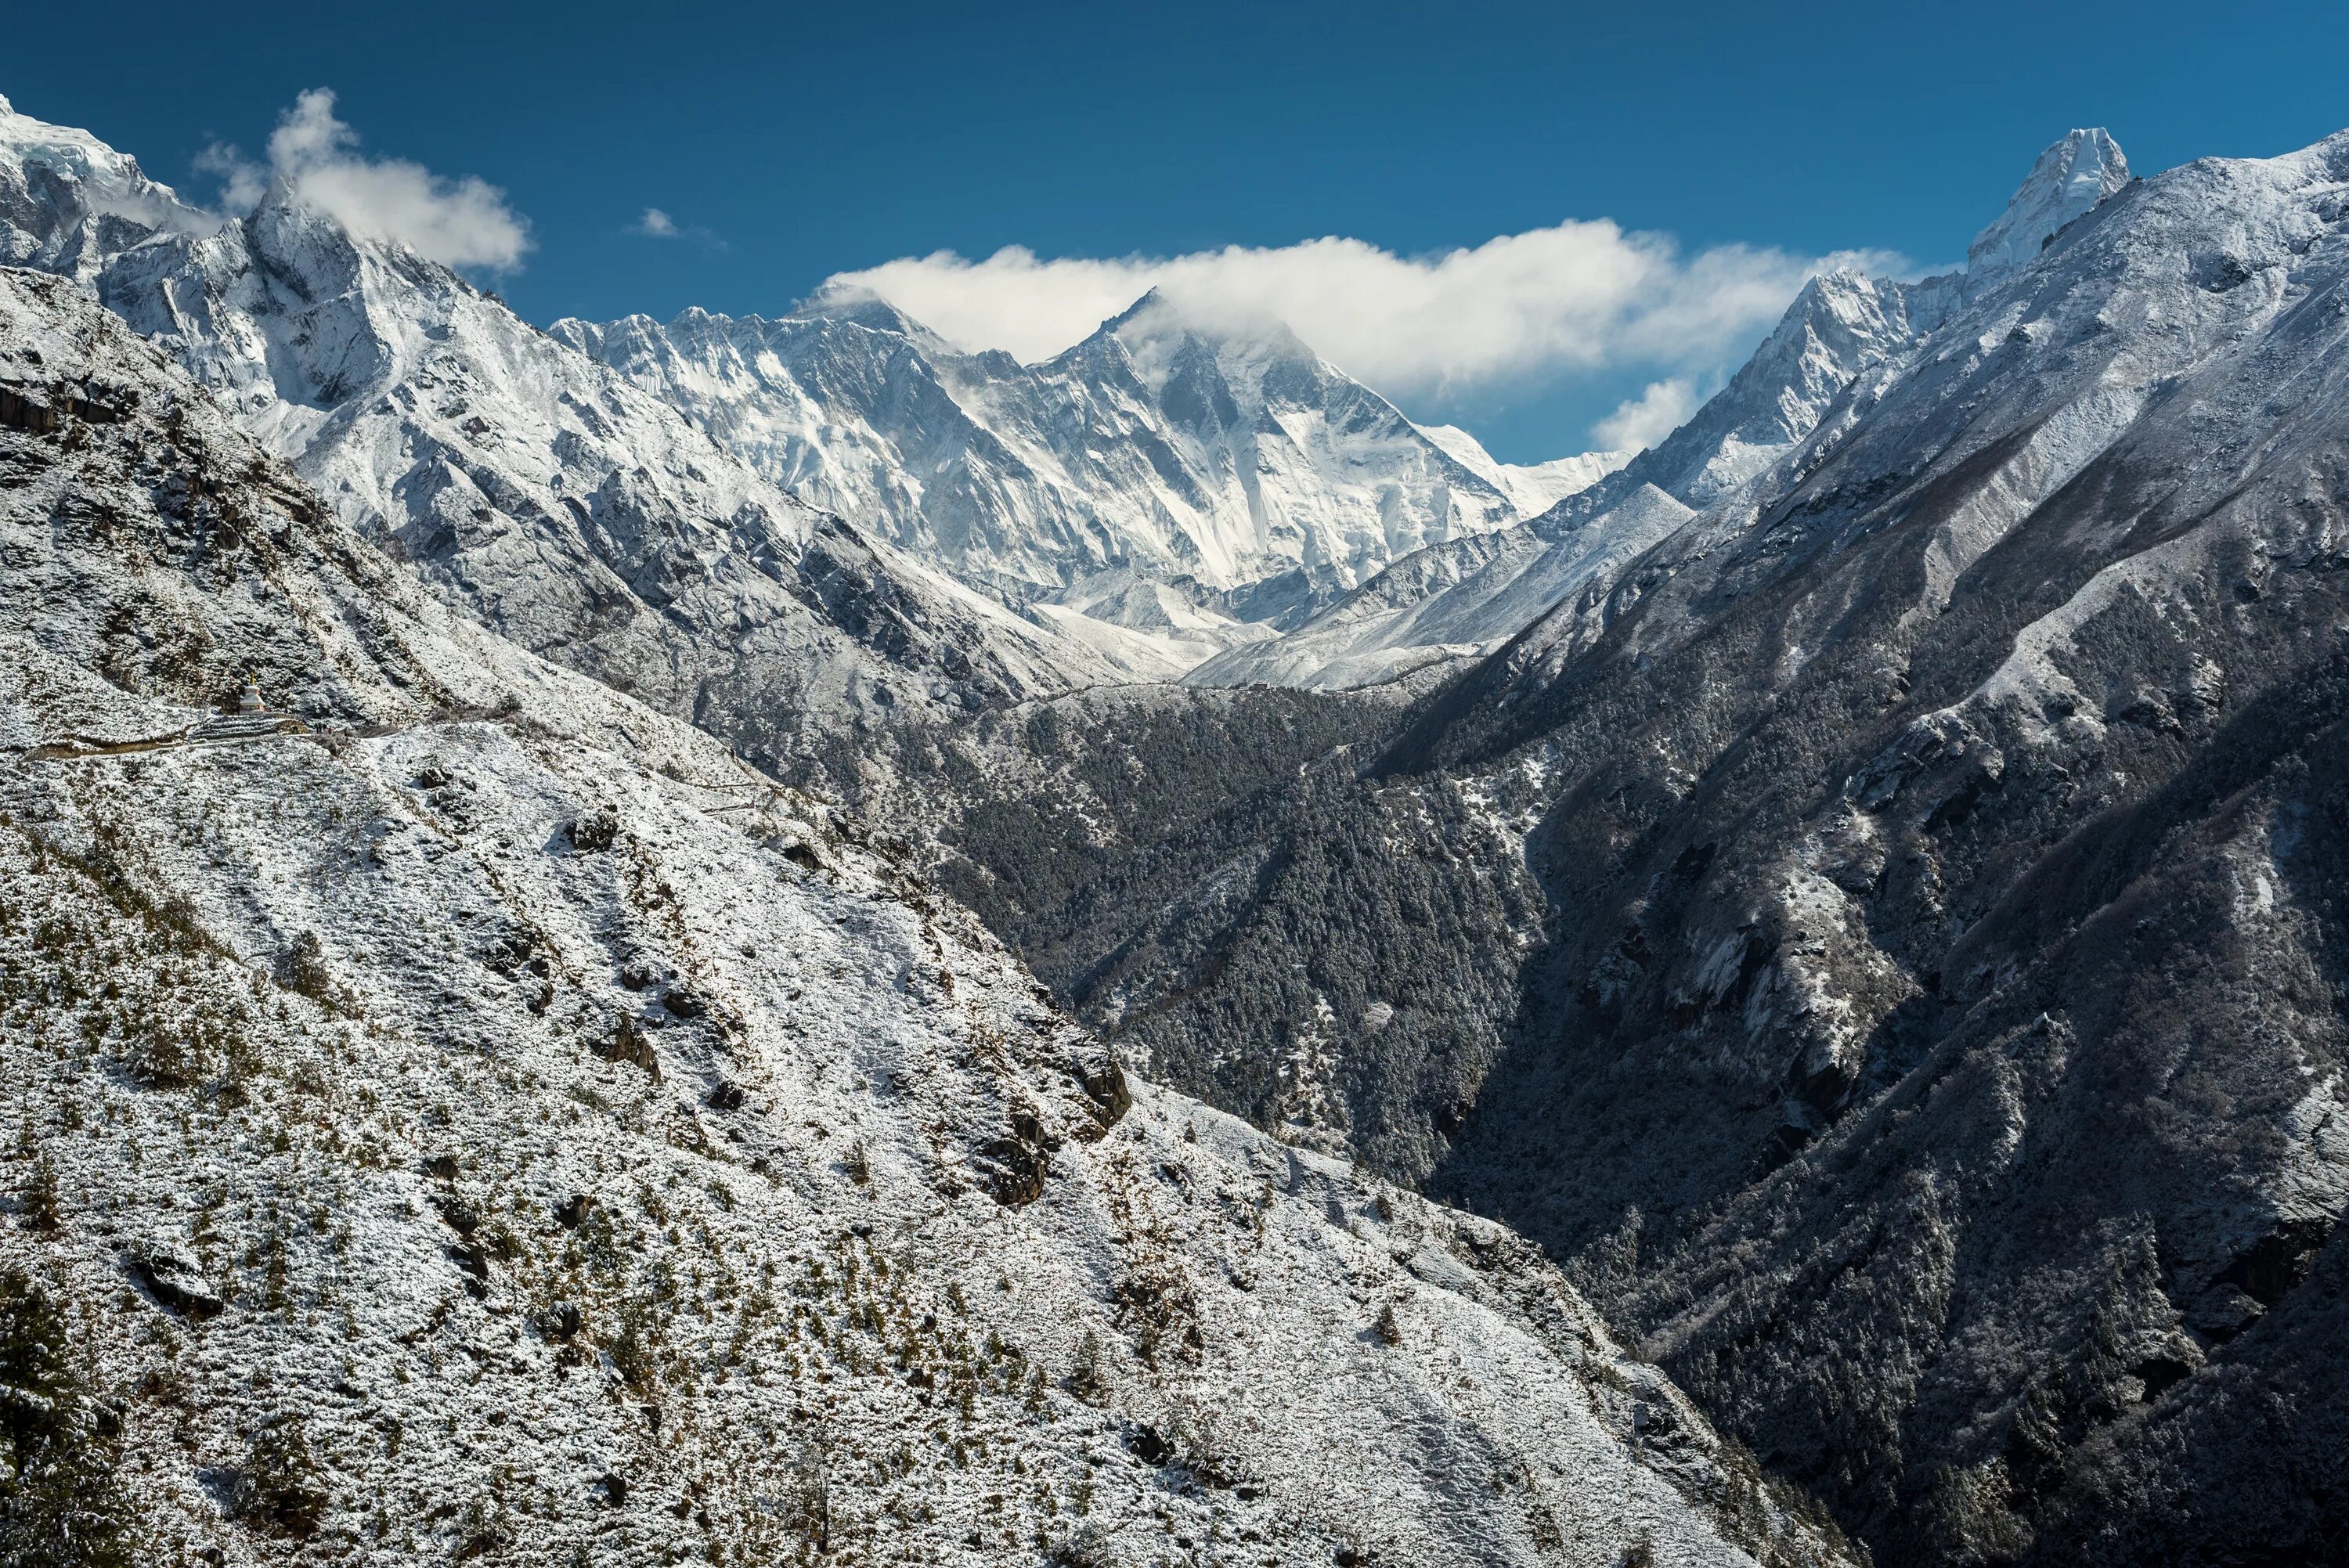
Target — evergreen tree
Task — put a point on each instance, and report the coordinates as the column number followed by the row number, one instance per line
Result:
column 60, row 1504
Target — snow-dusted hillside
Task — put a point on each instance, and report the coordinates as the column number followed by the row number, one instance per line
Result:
column 479, row 1117
column 1467, row 598
column 579, row 515
column 1216, row 462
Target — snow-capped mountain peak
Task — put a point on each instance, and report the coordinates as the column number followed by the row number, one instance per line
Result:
column 1841, row 326
column 2070, row 178
column 1219, row 456
column 69, row 202
column 1158, row 330
column 854, row 306
column 522, row 479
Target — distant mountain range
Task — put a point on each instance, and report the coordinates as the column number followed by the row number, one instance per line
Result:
column 569, row 510
column 1182, row 488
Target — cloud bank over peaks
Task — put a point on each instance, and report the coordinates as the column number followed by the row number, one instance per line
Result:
column 460, row 222
column 1517, row 310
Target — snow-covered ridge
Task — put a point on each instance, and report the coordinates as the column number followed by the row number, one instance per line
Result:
column 1842, row 325
column 518, row 476
column 1214, row 463
column 1532, row 488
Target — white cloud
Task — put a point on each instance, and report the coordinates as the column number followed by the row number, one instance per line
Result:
column 1644, row 420
column 242, row 183
column 657, row 224
column 1578, row 297
column 462, row 222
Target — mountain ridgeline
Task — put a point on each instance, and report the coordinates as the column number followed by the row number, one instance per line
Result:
column 1163, row 489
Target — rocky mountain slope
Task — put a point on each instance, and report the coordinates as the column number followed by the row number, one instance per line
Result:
column 480, row 1118
column 1465, row 600
column 1924, row 1026
column 1935, row 827
column 545, row 494
column 1232, row 469
column 1209, row 878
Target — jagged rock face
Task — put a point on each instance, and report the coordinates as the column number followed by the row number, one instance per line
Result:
column 1218, row 462
column 2067, row 182
column 495, row 1121
column 1839, row 325
column 521, row 479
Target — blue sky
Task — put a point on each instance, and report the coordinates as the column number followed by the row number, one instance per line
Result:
column 788, row 145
